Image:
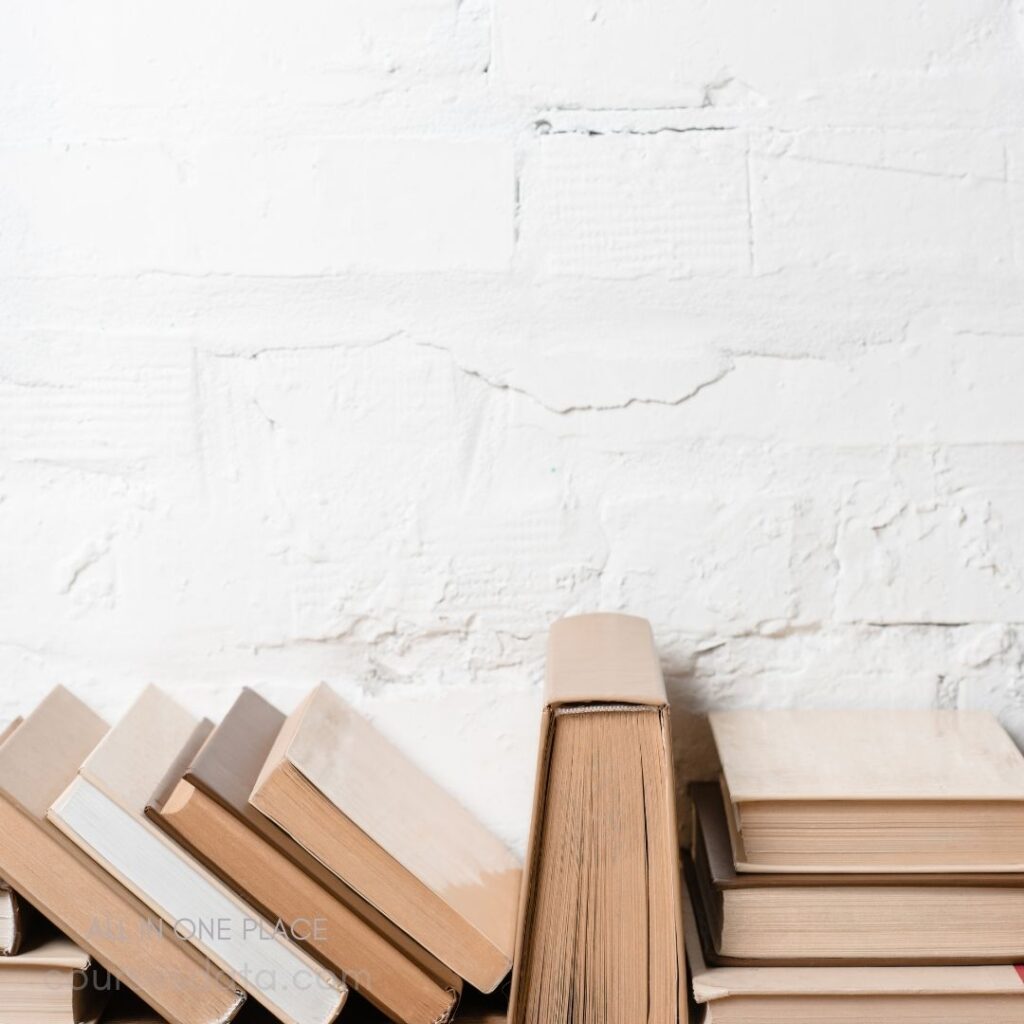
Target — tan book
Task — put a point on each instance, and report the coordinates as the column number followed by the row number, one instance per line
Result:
column 51, row 981
column 36, row 763
column 208, row 812
column 761, row 918
column 103, row 811
column 882, row 995
column 346, row 794
column 600, row 934
column 914, row 791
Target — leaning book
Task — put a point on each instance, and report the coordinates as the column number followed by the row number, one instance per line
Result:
column 103, row 811
column 37, row 762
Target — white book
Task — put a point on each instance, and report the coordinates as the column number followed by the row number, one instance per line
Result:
column 103, row 811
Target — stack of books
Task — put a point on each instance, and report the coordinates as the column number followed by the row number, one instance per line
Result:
column 847, row 866
column 859, row 865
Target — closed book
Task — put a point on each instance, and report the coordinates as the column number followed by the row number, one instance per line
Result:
column 103, row 811
column 762, row 918
column 51, row 981
column 953, row 994
column 600, row 935
column 207, row 810
column 102, row 917
column 871, row 791
column 357, row 804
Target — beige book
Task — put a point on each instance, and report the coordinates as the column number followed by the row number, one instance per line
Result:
column 871, row 791
column 881, row 995
column 772, row 917
column 103, row 811
column 52, row 981
column 600, row 934
column 346, row 794
column 102, row 917
column 208, row 811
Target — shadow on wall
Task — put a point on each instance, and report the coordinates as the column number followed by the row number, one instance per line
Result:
column 693, row 748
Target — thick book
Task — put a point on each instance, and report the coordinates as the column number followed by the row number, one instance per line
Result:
column 761, row 918
column 956, row 994
column 103, row 811
column 600, row 934
column 355, row 802
column 51, row 981
column 37, row 762
column 871, row 791
column 207, row 810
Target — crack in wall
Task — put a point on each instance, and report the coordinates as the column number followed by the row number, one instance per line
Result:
column 569, row 410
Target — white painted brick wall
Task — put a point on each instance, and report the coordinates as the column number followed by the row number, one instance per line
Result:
column 357, row 342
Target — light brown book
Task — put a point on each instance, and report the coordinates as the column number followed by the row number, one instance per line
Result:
column 103, row 811
column 600, row 935
column 762, row 918
column 882, row 995
column 340, row 789
column 208, row 811
column 51, row 981
column 915, row 791
column 36, row 763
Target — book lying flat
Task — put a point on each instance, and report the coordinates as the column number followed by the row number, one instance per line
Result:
column 208, row 812
column 600, row 935
column 882, row 995
column 103, row 811
column 340, row 789
column 881, row 918
column 52, row 981
column 36, row 764
column 915, row 791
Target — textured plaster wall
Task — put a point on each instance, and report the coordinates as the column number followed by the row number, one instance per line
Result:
column 359, row 341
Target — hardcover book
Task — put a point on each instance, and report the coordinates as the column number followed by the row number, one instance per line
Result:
column 207, row 810
column 103, row 811
column 871, row 791
column 52, row 981
column 988, row 994
column 347, row 795
column 600, row 933
column 37, row 761
column 764, row 918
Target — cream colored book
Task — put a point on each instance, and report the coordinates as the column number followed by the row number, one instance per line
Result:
column 871, row 791
column 103, row 811
column 52, row 981
column 600, row 934
column 854, row 995
column 347, row 795
column 37, row 762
